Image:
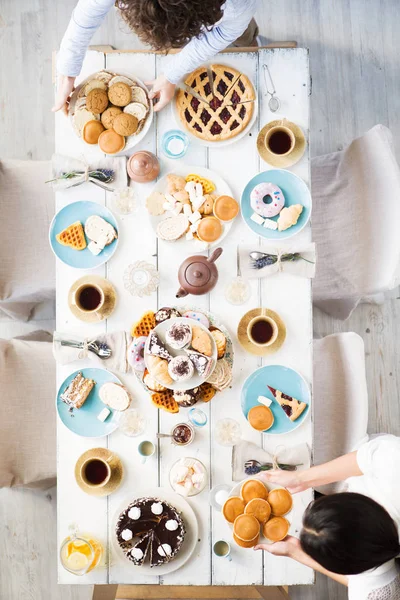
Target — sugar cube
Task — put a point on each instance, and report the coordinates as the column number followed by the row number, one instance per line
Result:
column 102, row 416
column 270, row 224
column 257, row 219
column 187, row 210
column 264, row 400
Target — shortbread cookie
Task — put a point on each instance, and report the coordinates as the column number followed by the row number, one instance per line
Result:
column 220, row 342
column 136, row 109
column 120, row 94
column 155, row 204
column 139, row 95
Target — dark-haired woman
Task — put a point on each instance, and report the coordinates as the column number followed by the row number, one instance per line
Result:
column 352, row 536
column 204, row 27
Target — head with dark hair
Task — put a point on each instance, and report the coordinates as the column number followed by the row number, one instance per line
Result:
column 349, row 533
column 166, row 24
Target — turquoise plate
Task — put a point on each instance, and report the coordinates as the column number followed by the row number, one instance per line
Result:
column 281, row 378
column 81, row 211
column 84, row 421
column 295, row 191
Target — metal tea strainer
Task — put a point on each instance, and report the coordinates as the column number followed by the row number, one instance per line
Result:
column 274, row 103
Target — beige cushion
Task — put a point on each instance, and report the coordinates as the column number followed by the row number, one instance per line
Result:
column 27, row 265
column 27, row 413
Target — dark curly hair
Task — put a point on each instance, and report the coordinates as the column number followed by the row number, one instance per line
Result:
column 166, row 24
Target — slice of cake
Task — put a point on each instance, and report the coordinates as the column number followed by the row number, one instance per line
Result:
column 157, row 348
column 137, row 554
column 203, row 364
column 293, row 408
column 77, row 392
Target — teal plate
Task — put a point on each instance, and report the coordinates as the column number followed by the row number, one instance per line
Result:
column 295, row 191
column 281, row 378
column 81, row 211
column 84, row 421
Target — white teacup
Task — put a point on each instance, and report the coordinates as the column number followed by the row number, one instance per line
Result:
column 251, row 329
column 146, row 449
column 88, row 298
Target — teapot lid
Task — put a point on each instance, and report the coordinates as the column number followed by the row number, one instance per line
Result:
column 197, row 274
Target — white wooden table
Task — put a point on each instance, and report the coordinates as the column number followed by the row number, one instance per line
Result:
column 289, row 296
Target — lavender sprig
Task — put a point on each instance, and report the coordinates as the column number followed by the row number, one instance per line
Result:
column 102, row 175
column 270, row 259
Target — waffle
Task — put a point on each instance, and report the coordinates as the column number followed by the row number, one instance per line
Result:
column 146, row 323
column 207, row 185
column 166, row 401
column 228, row 103
column 207, row 392
column 73, row 236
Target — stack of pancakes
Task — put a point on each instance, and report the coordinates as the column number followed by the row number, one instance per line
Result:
column 257, row 508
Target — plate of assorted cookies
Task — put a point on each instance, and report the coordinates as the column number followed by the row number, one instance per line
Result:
column 256, row 510
column 111, row 111
column 192, row 206
column 181, row 355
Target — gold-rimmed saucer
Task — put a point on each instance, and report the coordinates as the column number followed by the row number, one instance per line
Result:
column 110, row 299
column 282, row 162
column 117, row 472
column 248, row 345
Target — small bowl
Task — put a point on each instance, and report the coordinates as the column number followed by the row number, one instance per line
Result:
column 196, row 491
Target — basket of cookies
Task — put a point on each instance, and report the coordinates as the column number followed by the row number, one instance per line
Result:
column 192, row 206
column 181, row 356
column 111, row 111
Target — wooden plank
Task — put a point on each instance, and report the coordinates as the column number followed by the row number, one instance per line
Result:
column 183, row 592
column 137, row 242
column 75, row 508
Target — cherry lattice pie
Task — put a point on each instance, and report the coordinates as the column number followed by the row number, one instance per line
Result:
column 227, row 107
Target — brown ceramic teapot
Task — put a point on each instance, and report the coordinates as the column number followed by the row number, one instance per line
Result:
column 198, row 274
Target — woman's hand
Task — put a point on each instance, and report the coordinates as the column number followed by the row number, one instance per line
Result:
column 291, row 480
column 66, row 86
column 162, row 89
column 290, row 546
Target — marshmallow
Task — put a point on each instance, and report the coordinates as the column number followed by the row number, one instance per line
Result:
column 270, row 224
column 257, row 219
column 102, row 416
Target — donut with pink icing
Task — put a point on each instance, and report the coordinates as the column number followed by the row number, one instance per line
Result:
column 135, row 354
column 197, row 316
column 267, row 199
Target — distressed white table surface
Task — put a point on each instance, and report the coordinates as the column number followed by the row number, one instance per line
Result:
column 289, row 296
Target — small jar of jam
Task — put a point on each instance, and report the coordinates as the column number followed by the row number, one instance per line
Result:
column 182, row 434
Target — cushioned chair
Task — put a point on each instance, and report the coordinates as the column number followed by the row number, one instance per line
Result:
column 355, row 223
column 340, row 398
column 27, row 265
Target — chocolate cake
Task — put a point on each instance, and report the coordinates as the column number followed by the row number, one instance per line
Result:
column 157, row 348
column 150, row 528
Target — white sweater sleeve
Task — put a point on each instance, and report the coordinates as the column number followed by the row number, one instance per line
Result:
column 86, row 18
column 237, row 16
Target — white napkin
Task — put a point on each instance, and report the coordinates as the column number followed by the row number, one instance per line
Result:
column 64, row 164
column 118, row 342
column 302, row 267
column 244, row 451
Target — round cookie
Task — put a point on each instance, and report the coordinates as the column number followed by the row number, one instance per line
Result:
column 91, row 131
column 226, row 208
column 110, row 142
column 220, row 342
column 108, row 116
column 246, row 528
column 125, row 124
column 260, row 417
column 267, row 199
column 259, row 508
column 120, row 94
column 209, row 229
column 197, row 316
column 281, row 502
column 249, row 544
column 276, row 529
column 232, row 508
column 97, row 101
column 253, row 488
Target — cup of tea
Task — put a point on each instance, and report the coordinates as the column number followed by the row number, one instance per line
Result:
column 222, row 549
column 262, row 331
column 146, row 449
column 89, row 298
column 280, row 140
column 96, row 471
